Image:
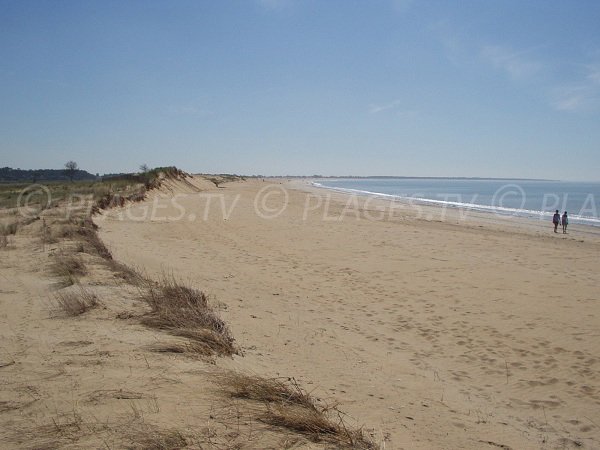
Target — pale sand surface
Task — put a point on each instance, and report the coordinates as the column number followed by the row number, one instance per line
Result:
column 448, row 334
column 95, row 381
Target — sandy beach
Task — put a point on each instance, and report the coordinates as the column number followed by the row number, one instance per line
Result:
column 434, row 330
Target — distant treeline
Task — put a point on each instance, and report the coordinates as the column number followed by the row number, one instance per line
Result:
column 8, row 175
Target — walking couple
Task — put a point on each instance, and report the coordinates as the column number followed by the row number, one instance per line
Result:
column 564, row 221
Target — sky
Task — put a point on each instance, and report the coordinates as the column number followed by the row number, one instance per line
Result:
column 482, row 88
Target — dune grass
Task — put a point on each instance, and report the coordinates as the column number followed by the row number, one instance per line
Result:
column 288, row 406
column 184, row 311
column 87, row 231
column 156, row 439
column 9, row 229
column 124, row 272
column 68, row 268
column 75, row 303
column 83, row 230
column 184, row 348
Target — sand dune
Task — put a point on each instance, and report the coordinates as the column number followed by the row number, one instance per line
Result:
column 438, row 334
column 100, row 378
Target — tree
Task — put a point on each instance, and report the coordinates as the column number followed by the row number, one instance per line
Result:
column 71, row 169
column 36, row 175
column 144, row 168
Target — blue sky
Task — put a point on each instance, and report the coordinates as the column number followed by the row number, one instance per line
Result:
column 384, row 87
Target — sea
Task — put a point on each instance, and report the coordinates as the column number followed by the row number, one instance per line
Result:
column 520, row 198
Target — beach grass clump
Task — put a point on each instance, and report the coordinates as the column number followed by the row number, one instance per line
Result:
column 78, row 229
column 68, row 268
column 75, row 303
column 87, row 230
column 125, row 272
column 9, row 229
column 3, row 241
column 288, row 406
column 156, row 439
column 183, row 348
column 185, row 311
column 98, row 246
column 269, row 390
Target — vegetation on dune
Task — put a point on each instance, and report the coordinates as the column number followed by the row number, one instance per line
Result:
column 75, row 303
column 184, row 311
column 68, row 268
column 109, row 191
column 286, row 405
column 174, row 307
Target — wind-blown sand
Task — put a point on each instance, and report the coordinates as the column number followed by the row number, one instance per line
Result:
column 477, row 333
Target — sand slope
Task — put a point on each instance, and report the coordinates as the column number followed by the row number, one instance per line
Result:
column 96, row 380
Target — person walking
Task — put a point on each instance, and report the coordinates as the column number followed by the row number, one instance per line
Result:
column 565, row 222
column 556, row 220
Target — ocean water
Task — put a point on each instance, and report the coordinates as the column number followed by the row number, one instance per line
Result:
column 524, row 198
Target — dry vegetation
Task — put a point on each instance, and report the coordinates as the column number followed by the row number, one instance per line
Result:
column 154, row 439
column 68, row 268
column 75, row 303
column 3, row 241
column 181, row 311
column 191, row 349
column 184, row 311
column 71, row 430
column 79, row 229
column 9, row 228
column 288, row 406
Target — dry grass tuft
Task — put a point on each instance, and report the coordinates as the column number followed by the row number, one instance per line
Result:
column 269, row 390
column 125, row 272
column 3, row 242
column 120, row 394
column 64, row 231
column 9, row 229
column 157, row 440
column 82, row 230
column 289, row 406
column 186, row 348
column 184, row 311
column 68, row 268
column 212, row 342
column 302, row 420
column 76, row 303
column 98, row 246
column 87, row 230
column 46, row 234
column 110, row 200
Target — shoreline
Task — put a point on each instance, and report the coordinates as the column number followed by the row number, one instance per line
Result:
column 459, row 215
column 518, row 213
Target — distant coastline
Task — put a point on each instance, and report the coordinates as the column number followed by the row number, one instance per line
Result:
column 8, row 175
column 504, row 196
column 403, row 177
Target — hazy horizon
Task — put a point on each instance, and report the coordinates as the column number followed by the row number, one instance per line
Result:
column 306, row 175
column 295, row 87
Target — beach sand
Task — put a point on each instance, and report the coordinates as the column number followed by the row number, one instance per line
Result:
column 100, row 378
column 434, row 330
